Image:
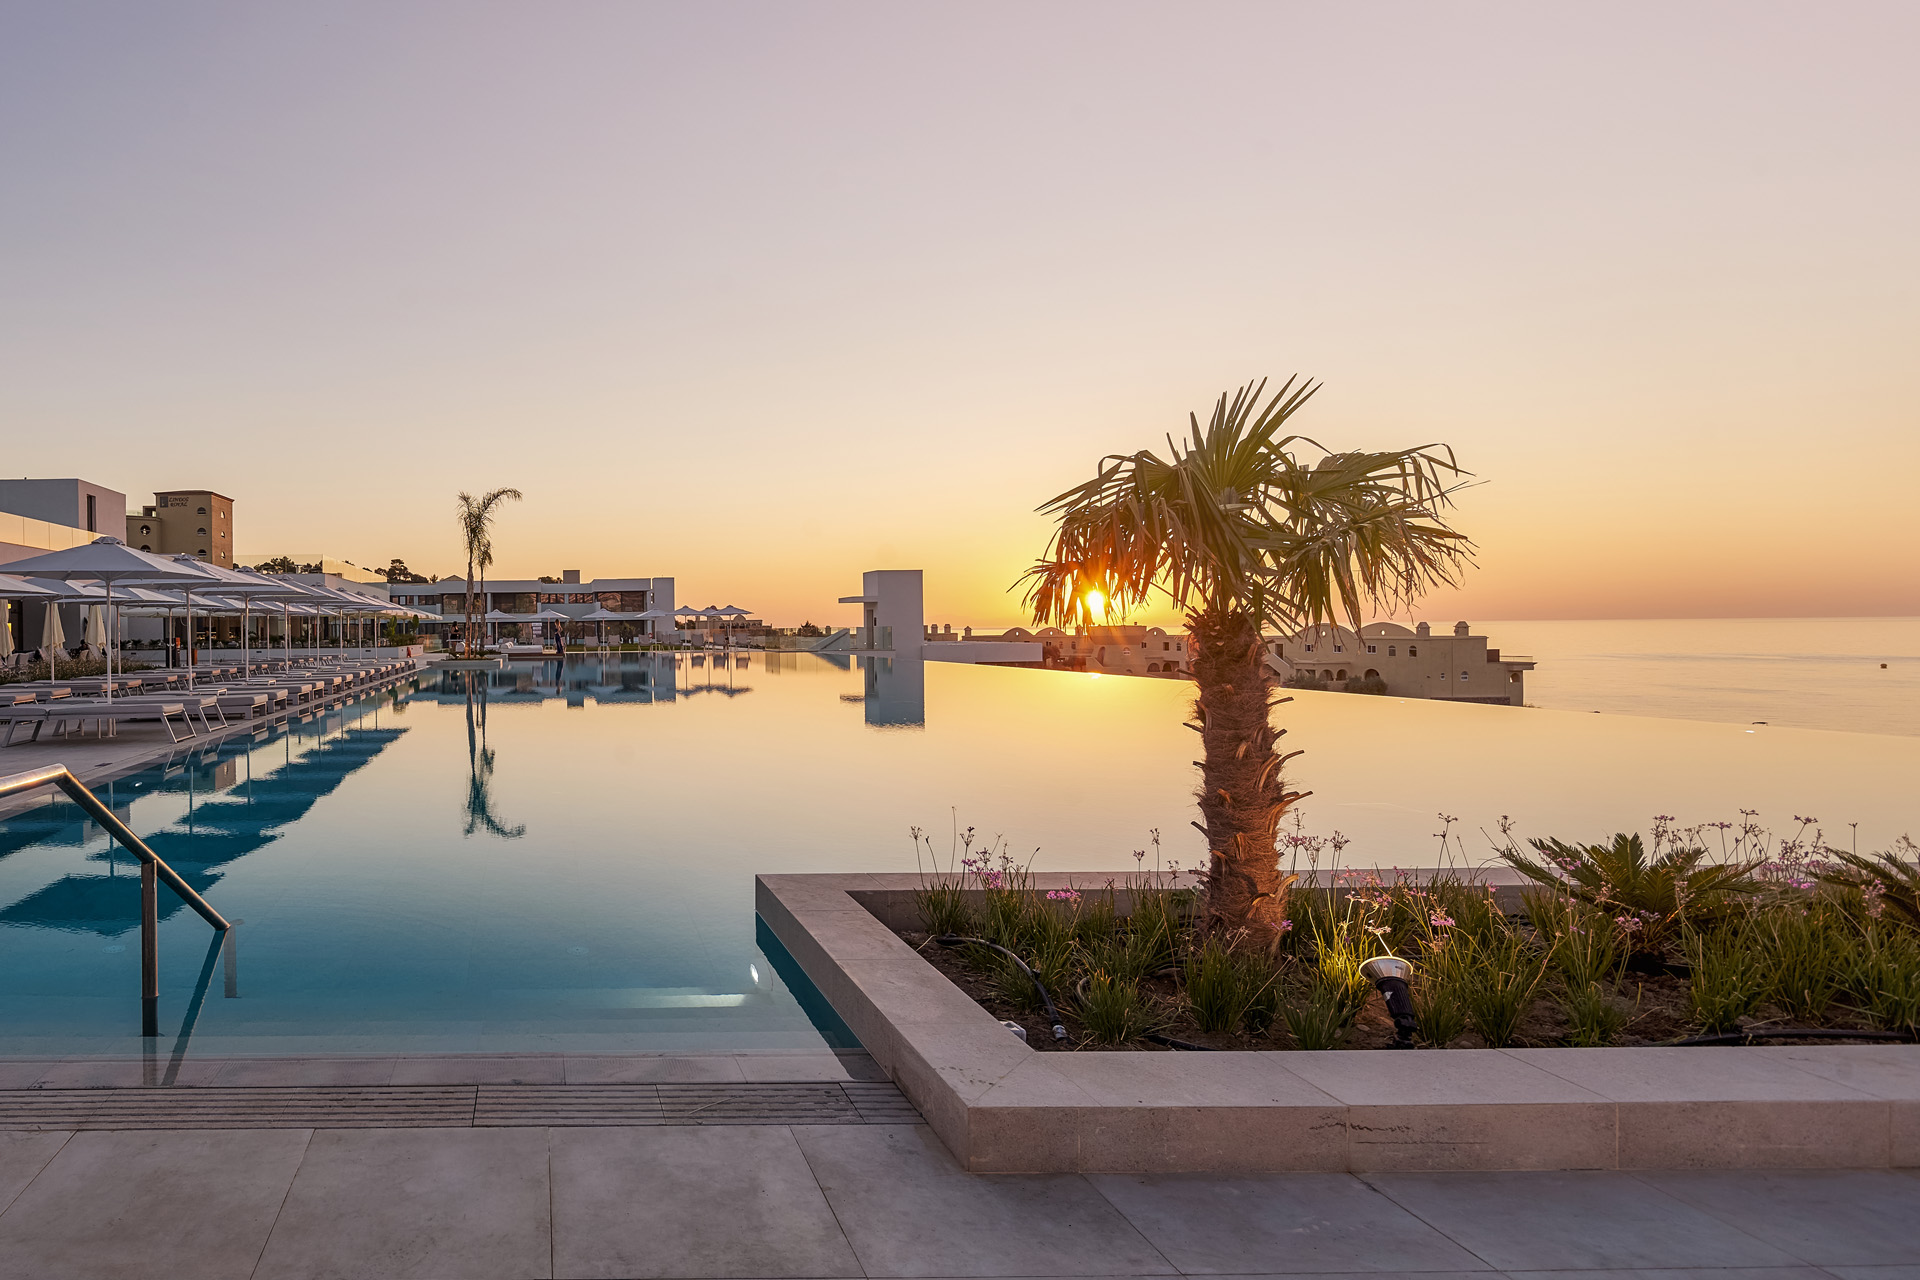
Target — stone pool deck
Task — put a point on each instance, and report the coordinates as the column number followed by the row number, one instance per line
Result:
column 303, row 1203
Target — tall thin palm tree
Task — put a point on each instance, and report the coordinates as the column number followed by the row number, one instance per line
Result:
column 1239, row 532
column 476, row 517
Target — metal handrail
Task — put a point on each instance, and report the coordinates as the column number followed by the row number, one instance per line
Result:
column 152, row 868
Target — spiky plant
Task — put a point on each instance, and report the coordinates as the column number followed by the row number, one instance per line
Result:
column 1650, row 898
column 1238, row 531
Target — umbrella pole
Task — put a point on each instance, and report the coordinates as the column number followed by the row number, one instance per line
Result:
column 109, row 643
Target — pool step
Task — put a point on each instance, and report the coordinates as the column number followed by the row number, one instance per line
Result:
column 454, row 1106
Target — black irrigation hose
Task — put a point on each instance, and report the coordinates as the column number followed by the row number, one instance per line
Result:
column 1789, row 1033
column 1172, row 1043
column 1053, row 1014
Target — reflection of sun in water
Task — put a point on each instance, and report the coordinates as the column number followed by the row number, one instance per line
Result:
column 1096, row 603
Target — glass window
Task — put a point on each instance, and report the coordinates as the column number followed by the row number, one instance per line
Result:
column 1390, row 652
column 1463, row 675
column 1373, row 648
column 1413, row 651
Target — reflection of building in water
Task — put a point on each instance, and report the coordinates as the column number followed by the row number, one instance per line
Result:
column 247, row 815
column 1410, row 663
column 615, row 678
column 896, row 692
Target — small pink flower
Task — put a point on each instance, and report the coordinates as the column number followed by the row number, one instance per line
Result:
column 1440, row 921
column 1063, row 895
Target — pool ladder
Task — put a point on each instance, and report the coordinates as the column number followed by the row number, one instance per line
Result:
column 152, row 870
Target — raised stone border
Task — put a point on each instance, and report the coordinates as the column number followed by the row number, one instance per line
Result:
column 1002, row 1107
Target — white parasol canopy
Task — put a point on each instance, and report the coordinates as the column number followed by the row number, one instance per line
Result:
column 105, row 560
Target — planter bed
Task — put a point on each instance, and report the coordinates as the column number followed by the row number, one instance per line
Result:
column 1003, row 1106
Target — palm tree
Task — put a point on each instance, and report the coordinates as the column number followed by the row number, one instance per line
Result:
column 476, row 527
column 1238, row 532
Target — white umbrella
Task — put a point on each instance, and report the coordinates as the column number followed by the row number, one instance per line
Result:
column 11, row 589
column 52, row 636
column 106, row 561
column 93, row 631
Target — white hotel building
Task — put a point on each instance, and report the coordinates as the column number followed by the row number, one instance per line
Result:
column 448, row 598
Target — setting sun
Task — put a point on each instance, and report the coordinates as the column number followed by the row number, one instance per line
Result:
column 1096, row 603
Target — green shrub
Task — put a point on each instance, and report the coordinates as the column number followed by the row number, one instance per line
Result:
column 1095, row 922
column 1113, row 1010
column 1132, row 955
column 1594, row 1016
column 1885, row 980
column 1316, row 1020
column 1500, row 987
column 1583, row 945
column 943, row 909
column 1653, row 897
column 1890, row 881
column 1436, row 991
column 1726, row 984
column 1222, row 986
column 1807, row 953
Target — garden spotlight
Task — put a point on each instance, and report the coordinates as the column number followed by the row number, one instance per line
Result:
column 1389, row 976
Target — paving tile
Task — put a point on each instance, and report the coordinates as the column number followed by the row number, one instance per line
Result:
column 1573, row 1221
column 478, row 1070
column 772, row 1068
column 22, row 1157
column 1680, row 1273
column 20, row 1074
column 1461, row 1077
column 1825, row 1217
column 1285, row 1223
column 910, row 1211
column 396, row 1204
column 1910, row 1271
column 141, row 1204
column 304, row 1071
column 1889, row 1071
column 125, row 1073
column 720, row 1201
column 652, row 1069
column 1725, row 1073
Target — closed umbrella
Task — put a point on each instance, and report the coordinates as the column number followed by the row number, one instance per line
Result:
column 52, row 636
column 93, row 633
column 11, row 589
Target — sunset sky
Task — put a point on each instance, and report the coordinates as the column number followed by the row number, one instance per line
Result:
column 763, row 295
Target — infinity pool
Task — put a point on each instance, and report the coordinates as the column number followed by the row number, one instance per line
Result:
column 560, row 857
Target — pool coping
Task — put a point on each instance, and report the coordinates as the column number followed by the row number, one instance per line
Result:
column 1002, row 1107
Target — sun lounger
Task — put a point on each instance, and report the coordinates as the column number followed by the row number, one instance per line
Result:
column 107, row 717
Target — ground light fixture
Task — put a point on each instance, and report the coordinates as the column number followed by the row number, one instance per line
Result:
column 1389, row 976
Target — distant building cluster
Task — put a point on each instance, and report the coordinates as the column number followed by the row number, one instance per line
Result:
column 1403, row 662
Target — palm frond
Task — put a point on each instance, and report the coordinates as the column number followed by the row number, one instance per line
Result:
column 1231, row 518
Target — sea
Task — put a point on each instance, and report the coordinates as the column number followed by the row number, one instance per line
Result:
column 1851, row 675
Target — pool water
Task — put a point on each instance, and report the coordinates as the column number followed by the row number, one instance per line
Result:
column 560, row 856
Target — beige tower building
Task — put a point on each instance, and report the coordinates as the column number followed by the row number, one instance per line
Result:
column 196, row 522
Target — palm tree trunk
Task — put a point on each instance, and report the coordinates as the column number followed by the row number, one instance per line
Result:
column 1242, row 796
